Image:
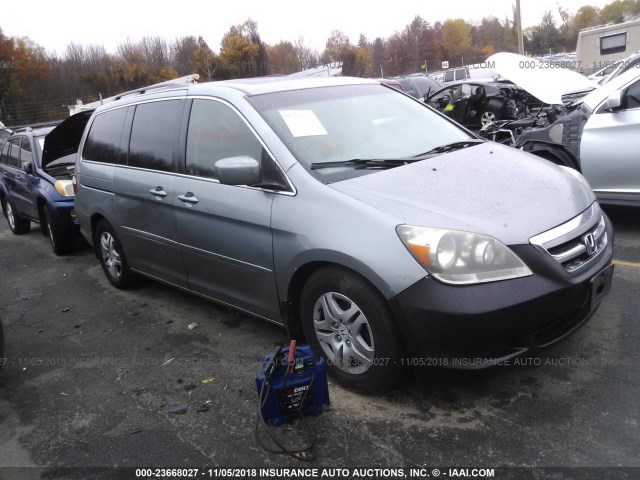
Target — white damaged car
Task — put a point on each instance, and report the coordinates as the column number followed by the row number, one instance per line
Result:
column 596, row 133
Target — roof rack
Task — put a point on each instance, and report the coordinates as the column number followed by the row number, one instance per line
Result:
column 34, row 126
column 175, row 83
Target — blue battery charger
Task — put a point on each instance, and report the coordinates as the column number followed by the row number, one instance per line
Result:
column 292, row 377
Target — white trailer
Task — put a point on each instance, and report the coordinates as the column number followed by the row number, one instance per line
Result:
column 602, row 46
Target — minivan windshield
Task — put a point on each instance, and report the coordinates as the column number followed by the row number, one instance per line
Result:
column 355, row 126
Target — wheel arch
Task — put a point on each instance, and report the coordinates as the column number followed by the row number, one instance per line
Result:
column 290, row 307
column 95, row 218
column 40, row 203
column 553, row 153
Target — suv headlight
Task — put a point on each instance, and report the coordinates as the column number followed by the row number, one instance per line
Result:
column 458, row 257
column 64, row 188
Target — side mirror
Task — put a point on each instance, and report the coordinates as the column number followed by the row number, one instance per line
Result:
column 242, row 170
column 27, row 167
column 614, row 101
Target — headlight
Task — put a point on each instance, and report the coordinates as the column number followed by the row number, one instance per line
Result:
column 64, row 188
column 457, row 257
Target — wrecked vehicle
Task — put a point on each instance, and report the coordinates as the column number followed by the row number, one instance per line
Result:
column 597, row 135
column 37, row 187
column 478, row 104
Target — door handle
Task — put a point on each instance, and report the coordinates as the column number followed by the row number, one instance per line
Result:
column 158, row 192
column 188, row 198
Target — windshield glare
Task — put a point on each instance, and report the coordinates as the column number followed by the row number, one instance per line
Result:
column 354, row 122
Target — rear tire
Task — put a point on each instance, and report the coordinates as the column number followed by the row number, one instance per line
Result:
column 112, row 257
column 61, row 240
column 489, row 116
column 348, row 323
column 17, row 224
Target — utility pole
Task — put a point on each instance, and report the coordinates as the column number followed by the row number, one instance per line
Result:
column 519, row 27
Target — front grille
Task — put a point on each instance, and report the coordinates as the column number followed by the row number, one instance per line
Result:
column 576, row 242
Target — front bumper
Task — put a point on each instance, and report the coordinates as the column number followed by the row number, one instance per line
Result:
column 67, row 215
column 477, row 326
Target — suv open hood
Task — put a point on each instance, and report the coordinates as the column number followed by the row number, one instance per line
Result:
column 545, row 83
column 489, row 189
column 65, row 138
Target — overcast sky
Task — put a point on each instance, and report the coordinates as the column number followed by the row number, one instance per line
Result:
column 54, row 24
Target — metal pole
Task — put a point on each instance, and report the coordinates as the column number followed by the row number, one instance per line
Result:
column 519, row 27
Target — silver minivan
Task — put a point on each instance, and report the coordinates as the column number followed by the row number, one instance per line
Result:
column 357, row 217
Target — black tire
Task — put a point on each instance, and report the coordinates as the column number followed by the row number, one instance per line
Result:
column 360, row 341
column 17, row 224
column 112, row 257
column 61, row 240
column 488, row 116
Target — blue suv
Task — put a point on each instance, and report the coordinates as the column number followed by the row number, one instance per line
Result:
column 34, row 188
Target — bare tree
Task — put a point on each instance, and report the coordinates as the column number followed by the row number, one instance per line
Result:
column 306, row 57
column 182, row 54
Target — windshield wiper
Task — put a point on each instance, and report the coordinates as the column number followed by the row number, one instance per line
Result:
column 450, row 147
column 360, row 163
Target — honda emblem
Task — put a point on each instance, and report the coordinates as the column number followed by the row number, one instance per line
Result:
column 590, row 243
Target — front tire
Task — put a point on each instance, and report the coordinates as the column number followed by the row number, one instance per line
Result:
column 348, row 323
column 61, row 240
column 17, row 224
column 112, row 257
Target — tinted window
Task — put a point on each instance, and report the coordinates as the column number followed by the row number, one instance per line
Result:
column 14, row 156
column 633, row 96
column 155, row 135
column 408, row 87
column 461, row 74
column 4, row 158
column 216, row 132
column 25, row 151
column 104, row 142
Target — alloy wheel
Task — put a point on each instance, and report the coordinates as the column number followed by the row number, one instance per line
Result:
column 110, row 255
column 487, row 118
column 344, row 333
column 10, row 218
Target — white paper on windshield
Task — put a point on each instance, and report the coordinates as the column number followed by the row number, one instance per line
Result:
column 302, row 123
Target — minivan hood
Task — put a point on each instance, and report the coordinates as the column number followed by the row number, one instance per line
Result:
column 488, row 188
column 546, row 84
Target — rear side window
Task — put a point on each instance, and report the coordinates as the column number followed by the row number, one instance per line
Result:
column 216, row 132
column 155, row 135
column 4, row 158
column 104, row 141
column 14, row 155
column 25, row 151
column 408, row 88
